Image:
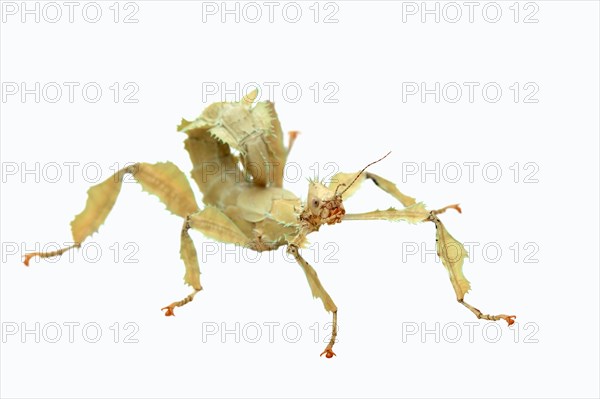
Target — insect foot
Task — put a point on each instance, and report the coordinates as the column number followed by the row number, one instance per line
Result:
column 328, row 353
column 480, row 315
column 456, row 207
column 509, row 319
column 170, row 310
column 59, row 252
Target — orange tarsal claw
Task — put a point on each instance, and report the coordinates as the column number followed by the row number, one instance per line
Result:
column 509, row 319
column 29, row 256
column 293, row 134
column 329, row 353
column 170, row 310
column 48, row 254
column 456, row 207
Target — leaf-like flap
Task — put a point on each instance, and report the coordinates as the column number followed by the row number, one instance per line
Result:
column 315, row 284
column 285, row 210
column 266, row 119
column 216, row 225
column 169, row 184
column 254, row 132
column 344, row 180
column 100, row 201
column 249, row 98
column 391, row 189
column 194, row 128
column 225, row 136
column 189, row 256
column 257, row 202
column 413, row 214
column 452, row 253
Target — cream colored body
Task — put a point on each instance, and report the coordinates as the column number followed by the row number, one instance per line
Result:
column 268, row 216
column 238, row 160
column 247, row 186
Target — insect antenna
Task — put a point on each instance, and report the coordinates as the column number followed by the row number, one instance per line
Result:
column 358, row 175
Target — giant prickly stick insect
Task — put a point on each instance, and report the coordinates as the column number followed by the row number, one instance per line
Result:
column 245, row 202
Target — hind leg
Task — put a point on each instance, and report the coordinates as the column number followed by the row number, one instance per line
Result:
column 164, row 180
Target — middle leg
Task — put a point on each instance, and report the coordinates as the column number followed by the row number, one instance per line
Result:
column 214, row 224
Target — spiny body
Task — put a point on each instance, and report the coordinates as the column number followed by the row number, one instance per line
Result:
column 246, row 204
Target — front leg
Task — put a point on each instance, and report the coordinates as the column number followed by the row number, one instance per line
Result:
column 451, row 252
column 318, row 292
column 344, row 179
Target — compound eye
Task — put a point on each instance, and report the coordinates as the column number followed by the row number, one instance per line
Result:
column 315, row 203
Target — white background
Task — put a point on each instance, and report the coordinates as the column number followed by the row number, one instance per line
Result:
column 368, row 54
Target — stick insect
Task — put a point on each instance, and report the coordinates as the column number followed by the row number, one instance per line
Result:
column 238, row 159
